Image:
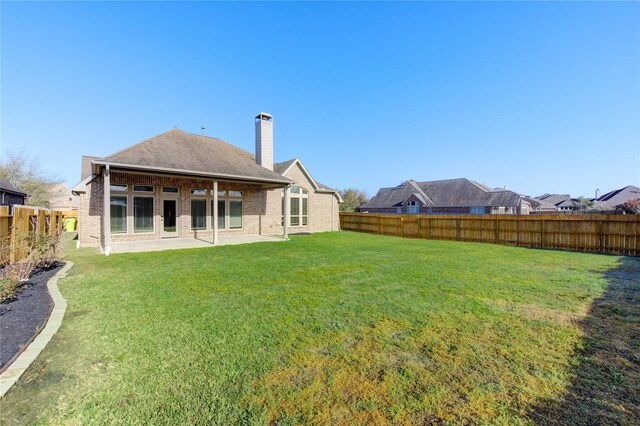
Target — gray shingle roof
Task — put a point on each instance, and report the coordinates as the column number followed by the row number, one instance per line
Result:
column 6, row 186
column 445, row 193
column 540, row 204
column 179, row 150
column 618, row 196
column 282, row 167
column 558, row 200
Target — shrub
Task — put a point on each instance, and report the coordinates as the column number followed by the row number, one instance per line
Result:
column 7, row 289
column 43, row 253
column 629, row 207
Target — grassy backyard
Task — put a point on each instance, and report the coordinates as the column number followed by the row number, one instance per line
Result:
column 341, row 328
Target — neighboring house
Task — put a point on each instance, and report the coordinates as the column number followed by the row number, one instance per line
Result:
column 562, row 202
column 540, row 205
column 610, row 200
column 451, row 196
column 61, row 198
column 10, row 195
column 178, row 184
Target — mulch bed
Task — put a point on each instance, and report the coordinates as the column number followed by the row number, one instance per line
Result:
column 22, row 318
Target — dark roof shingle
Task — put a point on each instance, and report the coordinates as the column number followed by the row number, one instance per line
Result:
column 6, row 186
column 182, row 151
column 444, row 193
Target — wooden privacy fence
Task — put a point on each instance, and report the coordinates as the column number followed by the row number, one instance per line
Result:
column 17, row 228
column 598, row 233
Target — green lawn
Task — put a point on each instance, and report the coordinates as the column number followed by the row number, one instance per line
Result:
column 340, row 328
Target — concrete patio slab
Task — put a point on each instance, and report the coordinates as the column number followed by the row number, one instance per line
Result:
column 183, row 243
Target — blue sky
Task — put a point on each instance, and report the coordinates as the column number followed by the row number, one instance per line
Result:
column 540, row 97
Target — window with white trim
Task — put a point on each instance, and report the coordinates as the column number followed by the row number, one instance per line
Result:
column 413, row 207
column 118, row 214
column 143, row 213
column 230, row 209
column 298, row 206
column 199, row 203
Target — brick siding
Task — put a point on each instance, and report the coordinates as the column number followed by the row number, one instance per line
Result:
column 262, row 208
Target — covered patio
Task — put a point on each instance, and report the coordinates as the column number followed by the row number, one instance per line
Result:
column 183, row 243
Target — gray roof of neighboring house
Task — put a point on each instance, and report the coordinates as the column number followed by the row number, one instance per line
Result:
column 444, row 193
column 540, row 204
column 6, row 186
column 556, row 199
column 618, row 196
column 179, row 151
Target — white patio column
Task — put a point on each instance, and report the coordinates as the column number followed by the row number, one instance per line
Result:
column 214, row 219
column 286, row 214
column 106, row 219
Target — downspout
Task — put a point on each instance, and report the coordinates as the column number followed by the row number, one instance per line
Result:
column 286, row 213
column 106, row 219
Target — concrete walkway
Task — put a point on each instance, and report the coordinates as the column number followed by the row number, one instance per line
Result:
column 182, row 243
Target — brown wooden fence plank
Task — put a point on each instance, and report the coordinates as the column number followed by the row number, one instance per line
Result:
column 599, row 233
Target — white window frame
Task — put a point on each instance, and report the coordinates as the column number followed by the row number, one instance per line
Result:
column 153, row 212
column 297, row 197
column 206, row 197
column 126, row 213
column 223, row 195
column 227, row 197
column 128, row 191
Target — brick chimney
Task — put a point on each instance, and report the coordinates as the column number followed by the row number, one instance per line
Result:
column 264, row 140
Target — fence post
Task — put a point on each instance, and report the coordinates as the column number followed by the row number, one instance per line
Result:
column 12, row 231
column 379, row 224
column 518, row 231
column 401, row 227
column 601, row 249
column 458, row 229
column 542, row 230
column 429, row 233
column 496, row 229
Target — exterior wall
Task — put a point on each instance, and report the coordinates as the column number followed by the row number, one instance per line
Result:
column 323, row 207
column 7, row 199
column 262, row 208
column 91, row 207
column 90, row 214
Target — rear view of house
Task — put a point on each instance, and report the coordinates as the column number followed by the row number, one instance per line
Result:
column 178, row 184
column 451, row 196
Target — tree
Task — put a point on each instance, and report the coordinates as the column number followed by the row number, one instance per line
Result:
column 352, row 199
column 23, row 173
column 582, row 204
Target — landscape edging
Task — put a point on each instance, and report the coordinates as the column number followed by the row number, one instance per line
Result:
column 11, row 375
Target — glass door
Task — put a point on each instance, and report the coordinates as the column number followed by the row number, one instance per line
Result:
column 169, row 218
